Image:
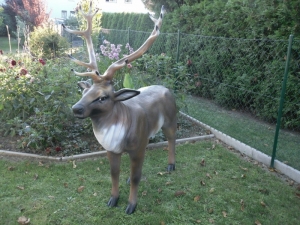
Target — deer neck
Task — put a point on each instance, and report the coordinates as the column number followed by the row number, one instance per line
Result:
column 111, row 129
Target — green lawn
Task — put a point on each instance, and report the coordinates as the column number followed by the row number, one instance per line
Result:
column 247, row 129
column 4, row 45
column 211, row 185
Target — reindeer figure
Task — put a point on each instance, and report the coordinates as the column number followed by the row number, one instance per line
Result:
column 123, row 121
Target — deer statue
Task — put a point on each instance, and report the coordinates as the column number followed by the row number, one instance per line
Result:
column 124, row 120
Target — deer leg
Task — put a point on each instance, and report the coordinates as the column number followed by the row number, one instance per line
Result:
column 114, row 160
column 135, row 177
column 170, row 134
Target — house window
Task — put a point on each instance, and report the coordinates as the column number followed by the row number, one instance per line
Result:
column 64, row 14
column 72, row 13
column 128, row 1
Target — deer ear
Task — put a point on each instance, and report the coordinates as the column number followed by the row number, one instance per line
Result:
column 125, row 94
column 84, row 84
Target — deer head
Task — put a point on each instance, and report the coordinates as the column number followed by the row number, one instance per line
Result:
column 124, row 120
column 99, row 97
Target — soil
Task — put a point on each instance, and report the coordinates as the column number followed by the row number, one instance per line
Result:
column 185, row 129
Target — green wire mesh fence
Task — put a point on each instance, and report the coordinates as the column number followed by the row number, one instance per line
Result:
column 231, row 76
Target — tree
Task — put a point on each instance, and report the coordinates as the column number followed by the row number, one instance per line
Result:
column 170, row 5
column 33, row 12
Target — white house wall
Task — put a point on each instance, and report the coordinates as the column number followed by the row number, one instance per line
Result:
column 116, row 6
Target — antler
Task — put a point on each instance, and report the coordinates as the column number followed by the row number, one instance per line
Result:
column 109, row 73
column 92, row 65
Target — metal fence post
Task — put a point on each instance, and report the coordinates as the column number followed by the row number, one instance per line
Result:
column 286, row 71
column 178, row 45
column 128, row 36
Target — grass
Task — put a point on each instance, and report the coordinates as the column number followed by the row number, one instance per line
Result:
column 4, row 43
column 247, row 129
column 224, row 190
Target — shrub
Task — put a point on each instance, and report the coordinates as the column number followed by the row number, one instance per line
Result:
column 45, row 42
column 35, row 104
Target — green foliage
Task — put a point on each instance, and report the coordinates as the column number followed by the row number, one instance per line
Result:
column 1, row 16
column 236, row 18
column 36, row 102
column 85, row 6
column 123, row 21
column 45, row 42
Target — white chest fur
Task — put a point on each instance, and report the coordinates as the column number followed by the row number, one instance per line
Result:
column 111, row 137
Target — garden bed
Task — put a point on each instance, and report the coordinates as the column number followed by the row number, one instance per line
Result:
column 186, row 129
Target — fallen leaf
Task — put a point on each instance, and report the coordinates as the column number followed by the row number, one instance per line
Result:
column 211, row 220
column 245, row 169
column 168, row 182
column 208, row 175
column 74, row 165
column 41, row 163
column 215, row 172
column 51, row 196
column 165, row 149
column 98, row 169
column 159, row 190
column 224, row 214
column 20, row 187
column 23, row 220
column 202, row 162
column 66, row 185
column 211, row 210
column 257, row 222
column 197, row 198
column 198, row 221
column 162, row 173
column 144, row 193
column 158, row 201
column 80, row 189
column 10, row 168
column 243, row 176
column 202, row 183
column 162, row 223
column 35, row 176
column 179, row 193
column 213, row 146
column 263, row 204
column 212, row 190
column 95, row 194
column 242, row 204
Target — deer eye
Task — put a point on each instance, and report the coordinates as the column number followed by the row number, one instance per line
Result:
column 101, row 99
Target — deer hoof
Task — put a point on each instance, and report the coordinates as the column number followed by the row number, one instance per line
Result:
column 171, row 167
column 130, row 208
column 113, row 202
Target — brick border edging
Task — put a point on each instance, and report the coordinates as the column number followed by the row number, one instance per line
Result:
column 249, row 151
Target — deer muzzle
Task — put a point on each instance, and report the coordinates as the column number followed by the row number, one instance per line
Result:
column 78, row 111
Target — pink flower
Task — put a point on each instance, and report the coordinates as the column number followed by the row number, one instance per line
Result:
column 58, row 149
column 23, row 71
column 129, row 66
column 42, row 61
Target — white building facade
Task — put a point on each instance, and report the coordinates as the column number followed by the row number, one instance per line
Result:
column 63, row 9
